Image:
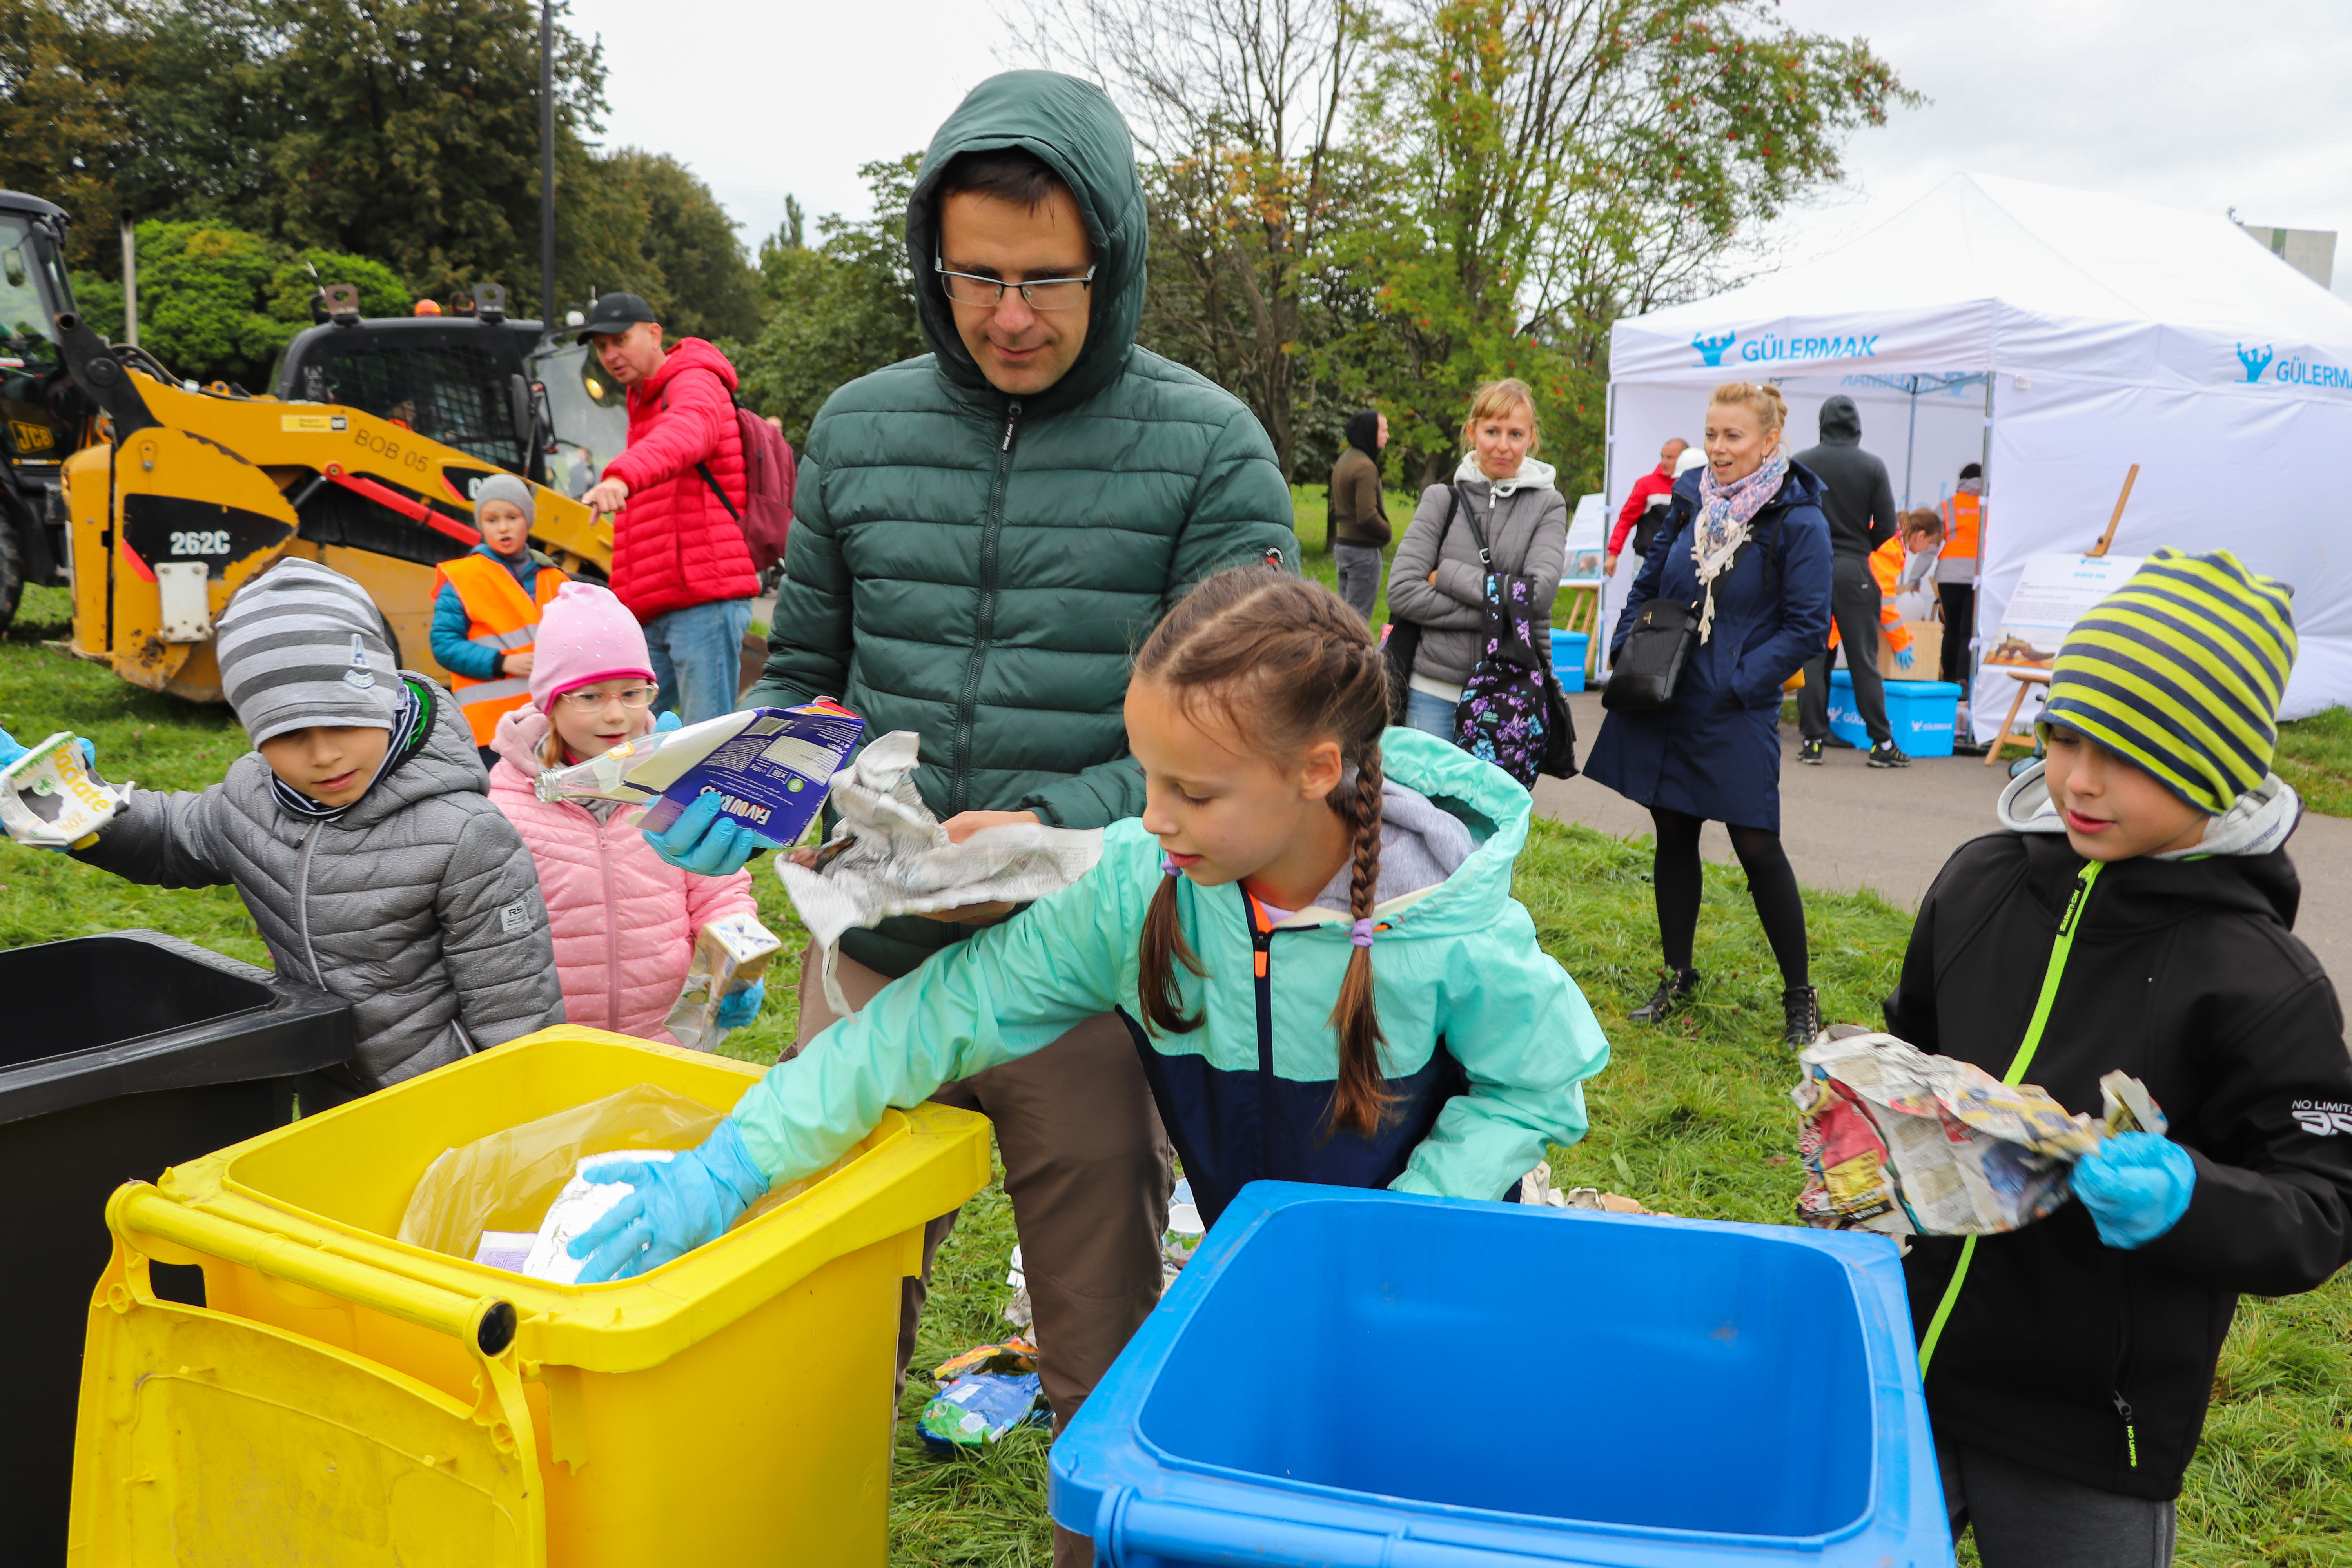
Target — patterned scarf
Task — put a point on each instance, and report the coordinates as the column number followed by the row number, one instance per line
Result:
column 1725, row 513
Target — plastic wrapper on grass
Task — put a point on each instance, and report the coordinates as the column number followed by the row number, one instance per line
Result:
column 979, row 1409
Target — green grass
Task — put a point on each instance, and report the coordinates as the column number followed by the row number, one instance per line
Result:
column 1692, row 1118
column 2315, row 756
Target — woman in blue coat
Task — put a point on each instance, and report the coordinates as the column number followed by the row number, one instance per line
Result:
column 1746, row 534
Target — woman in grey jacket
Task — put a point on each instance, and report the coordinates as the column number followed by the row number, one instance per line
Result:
column 1436, row 580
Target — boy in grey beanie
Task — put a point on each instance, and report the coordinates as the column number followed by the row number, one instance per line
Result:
column 485, row 608
column 360, row 833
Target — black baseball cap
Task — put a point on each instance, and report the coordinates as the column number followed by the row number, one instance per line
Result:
column 616, row 313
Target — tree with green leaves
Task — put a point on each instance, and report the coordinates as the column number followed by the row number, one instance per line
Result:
column 706, row 287
column 837, row 311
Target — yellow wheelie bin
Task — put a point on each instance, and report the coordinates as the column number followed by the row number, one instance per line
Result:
column 342, row 1398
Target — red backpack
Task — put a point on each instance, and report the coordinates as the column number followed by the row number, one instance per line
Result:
column 766, row 515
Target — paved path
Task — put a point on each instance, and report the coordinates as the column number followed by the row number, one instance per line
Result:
column 1848, row 826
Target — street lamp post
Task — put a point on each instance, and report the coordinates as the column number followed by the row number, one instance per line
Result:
column 547, row 162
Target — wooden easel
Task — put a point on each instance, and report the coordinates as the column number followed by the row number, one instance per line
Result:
column 1584, row 616
column 2027, row 679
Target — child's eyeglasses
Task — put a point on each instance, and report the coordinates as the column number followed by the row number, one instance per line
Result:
column 594, row 701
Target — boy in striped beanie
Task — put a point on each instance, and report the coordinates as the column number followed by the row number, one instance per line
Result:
column 360, row 833
column 2136, row 917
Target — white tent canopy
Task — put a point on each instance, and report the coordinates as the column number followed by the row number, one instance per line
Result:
column 2058, row 337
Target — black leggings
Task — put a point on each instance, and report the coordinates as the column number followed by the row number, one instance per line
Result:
column 1675, row 872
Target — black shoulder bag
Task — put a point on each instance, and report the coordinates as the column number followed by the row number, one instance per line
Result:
column 1402, row 644
column 1643, row 679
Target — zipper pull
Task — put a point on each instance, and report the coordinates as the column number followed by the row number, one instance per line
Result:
column 1012, row 418
column 2131, row 1432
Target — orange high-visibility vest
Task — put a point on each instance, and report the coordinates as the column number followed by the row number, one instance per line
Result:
column 502, row 617
column 1961, row 512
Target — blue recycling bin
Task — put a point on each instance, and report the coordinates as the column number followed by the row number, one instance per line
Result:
column 1364, row 1379
column 1568, row 653
column 1921, row 713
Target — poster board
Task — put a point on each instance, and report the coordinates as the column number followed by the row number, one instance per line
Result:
column 1587, row 537
column 2055, row 590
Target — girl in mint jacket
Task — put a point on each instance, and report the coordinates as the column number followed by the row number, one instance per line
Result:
column 1310, row 933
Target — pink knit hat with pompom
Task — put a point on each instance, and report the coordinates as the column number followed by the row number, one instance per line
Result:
column 585, row 635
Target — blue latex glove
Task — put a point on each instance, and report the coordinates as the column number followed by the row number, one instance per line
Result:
column 668, row 721
column 740, row 1006
column 2136, row 1186
column 9, row 749
column 1905, row 658
column 705, row 843
column 677, row 1206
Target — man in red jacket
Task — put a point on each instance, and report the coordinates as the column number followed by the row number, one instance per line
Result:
column 1658, row 481
column 679, row 561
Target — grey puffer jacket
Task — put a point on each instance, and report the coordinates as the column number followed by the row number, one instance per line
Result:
column 419, row 905
column 1527, row 532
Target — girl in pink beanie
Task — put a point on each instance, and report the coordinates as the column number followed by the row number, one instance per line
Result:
column 625, row 922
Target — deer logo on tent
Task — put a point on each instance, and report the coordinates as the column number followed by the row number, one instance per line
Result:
column 2255, row 362
column 1711, row 349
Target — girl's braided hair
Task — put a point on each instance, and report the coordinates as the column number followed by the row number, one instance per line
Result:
column 1283, row 662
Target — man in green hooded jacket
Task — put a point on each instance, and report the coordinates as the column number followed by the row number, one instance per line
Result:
column 984, row 535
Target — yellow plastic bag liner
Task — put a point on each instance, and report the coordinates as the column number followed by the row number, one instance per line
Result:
column 506, row 1181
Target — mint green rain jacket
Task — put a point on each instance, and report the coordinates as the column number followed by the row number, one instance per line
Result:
column 1490, row 1041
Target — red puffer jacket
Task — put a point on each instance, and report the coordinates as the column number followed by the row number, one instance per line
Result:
column 674, row 545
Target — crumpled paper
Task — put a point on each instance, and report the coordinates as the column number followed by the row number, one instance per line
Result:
column 889, row 855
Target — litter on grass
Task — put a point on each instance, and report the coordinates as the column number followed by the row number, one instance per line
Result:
column 980, row 1408
column 769, row 766
column 1898, row 1141
column 1537, row 1191
column 890, row 856
column 50, row 799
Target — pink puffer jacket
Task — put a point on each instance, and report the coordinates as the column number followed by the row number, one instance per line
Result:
column 623, row 920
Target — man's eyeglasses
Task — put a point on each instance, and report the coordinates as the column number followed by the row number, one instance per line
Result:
column 592, row 700
column 1037, row 293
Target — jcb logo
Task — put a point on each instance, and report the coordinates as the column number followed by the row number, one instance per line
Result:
column 2322, row 1122
column 32, row 437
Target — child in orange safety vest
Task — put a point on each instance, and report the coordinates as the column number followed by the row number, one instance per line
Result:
column 485, row 608
column 1901, row 566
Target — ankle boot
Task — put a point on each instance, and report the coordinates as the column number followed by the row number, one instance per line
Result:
column 1669, row 998
column 1801, row 1004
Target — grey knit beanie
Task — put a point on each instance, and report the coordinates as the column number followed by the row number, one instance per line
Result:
column 505, row 488
column 302, row 646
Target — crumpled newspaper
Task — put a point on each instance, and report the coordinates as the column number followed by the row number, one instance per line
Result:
column 1898, row 1141
column 890, row 856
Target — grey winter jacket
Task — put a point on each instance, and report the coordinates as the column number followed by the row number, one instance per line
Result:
column 419, row 905
column 1527, row 533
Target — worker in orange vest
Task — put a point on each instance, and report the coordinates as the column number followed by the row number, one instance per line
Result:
column 1900, row 566
column 485, row 608
column 1955, row 573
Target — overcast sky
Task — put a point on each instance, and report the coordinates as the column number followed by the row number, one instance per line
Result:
column 2189, row 104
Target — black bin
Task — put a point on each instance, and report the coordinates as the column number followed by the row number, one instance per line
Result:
column 122, row 1055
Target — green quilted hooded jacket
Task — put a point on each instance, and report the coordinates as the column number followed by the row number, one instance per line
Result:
column 980, row 569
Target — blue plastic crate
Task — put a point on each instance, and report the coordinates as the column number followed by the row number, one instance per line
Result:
column 1568, row 653
column 1920, row 713
column 1358, row 1379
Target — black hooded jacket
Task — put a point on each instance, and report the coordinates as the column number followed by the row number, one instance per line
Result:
column 2060, row 1352
column 1859, row 501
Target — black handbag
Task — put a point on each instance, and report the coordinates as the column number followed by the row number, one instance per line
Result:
column 1643, row 678
column 1402, row 644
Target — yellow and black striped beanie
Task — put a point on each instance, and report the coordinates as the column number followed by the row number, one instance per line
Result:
column 2180, row 671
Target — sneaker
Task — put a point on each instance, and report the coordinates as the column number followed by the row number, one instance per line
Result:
column 1887, row 754
column 1811, row 752
column 1669, row 998
column 1801, row 1007
column 1837, row 742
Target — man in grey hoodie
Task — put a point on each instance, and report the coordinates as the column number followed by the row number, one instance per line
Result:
column 1859, row 502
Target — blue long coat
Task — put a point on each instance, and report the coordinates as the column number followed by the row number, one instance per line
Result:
column 1715, row 750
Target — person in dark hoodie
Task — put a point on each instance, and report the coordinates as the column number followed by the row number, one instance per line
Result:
column 2136, row 915
column 1859, row 502
column 1360, row 524
column 984, row 535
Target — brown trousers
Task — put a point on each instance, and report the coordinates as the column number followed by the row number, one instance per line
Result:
column 1088, row 1169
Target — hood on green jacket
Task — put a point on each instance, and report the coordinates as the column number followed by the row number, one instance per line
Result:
column 1083, row 138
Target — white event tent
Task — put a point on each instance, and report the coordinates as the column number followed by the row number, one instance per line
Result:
column 2057, row 337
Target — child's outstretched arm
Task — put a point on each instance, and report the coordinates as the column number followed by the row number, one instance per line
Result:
column 494, row 934
column 1009, row 990
column 164, row 840
column 1527, row 1039
column 2270, row 1209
